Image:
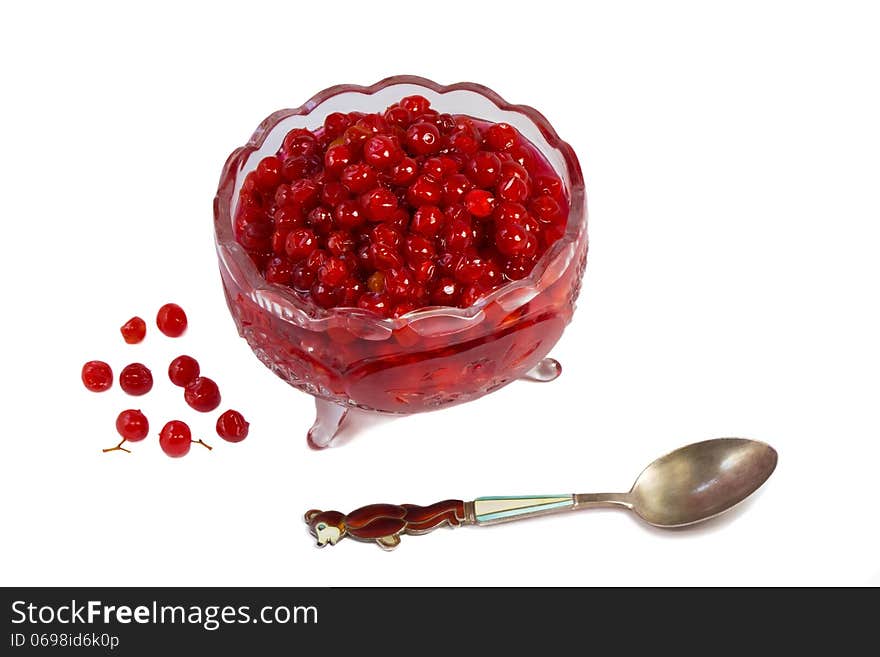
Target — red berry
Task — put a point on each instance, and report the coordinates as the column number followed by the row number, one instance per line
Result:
column 455, row 188
column 398, row 116
column 446, row 293
column 333, row 272
column 336, row 159
column 300, row 143
column 405, row 171
column 335, row 124
column 136, row 379
column 232, row 427
column 202, row 394
column 423, row 138
column 175, row 439
column 132, row 425
column 97, row 376
column 510, row 237
column 501, row 136
column 484, row 169
column 321, row 221
column 183, row 370
column 325, row 295
column 268, row 173
column 134, row 330
column 479, row 202
column 377, row 302
column 358, row 178
column 415, row 104
column 349, row 214
column 288, row 217
column 380, row 204
column 382, row 152
column 300, row 243
column 171, row 320
column 279, row 271
column 340, row 242
column 424, row 191
column 427, row 221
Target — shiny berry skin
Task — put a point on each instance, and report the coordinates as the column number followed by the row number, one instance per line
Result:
column 510, row 237
column 423, row 138
column 336, row 159
column 358, row 178
column 232, row 427
column 379, row 204
column 398, row 116
column 134, row 330
column 349, row 214
column 175, row 439
column 546, row 209
column 333, row 272
column 300, row 243
column 446, row 293
column 479, row 202
column 427, row 221
column 183, row 370
column 97, row 376
column 415, row 104
column 382, row 152
column 483, row 170
column 132, row 425
column 500, row 137
column 279, row 270
column 340, row 242
column 377, row 302
column 136, row 379
column 171, row 320
column 268, row 173
column 335, row 124
column 324, row 295
column 455, row 187
column 202, row 394
column 404, row 172
column 424, row 191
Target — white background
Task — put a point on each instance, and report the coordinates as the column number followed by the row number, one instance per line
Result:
column 732, row 158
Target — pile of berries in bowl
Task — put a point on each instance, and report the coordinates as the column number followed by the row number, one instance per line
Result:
column 402, row 247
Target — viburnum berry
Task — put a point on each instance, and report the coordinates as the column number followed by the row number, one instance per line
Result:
column 171, row 320
column 395, row 210
column 232, row 427
column 202, row 394
column 97, row 376
column 134, row 330
column 132, row 426
column 175, row 439
column 136, row 379
column 183, row 370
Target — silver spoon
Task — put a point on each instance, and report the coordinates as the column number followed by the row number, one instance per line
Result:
column 691, row 484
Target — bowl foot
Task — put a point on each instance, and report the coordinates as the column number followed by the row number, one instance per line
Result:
column 328, row 419
column 548, row 369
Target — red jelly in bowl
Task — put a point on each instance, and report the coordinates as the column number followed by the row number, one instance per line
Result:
column 402, row 247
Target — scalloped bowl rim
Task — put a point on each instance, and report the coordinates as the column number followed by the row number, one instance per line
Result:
column 574, row 231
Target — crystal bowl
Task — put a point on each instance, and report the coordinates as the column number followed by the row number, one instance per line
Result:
column 431, row 357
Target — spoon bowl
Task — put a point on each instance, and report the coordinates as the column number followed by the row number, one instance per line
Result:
column 701, row 480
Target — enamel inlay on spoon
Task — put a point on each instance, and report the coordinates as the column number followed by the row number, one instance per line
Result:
column 691, row 484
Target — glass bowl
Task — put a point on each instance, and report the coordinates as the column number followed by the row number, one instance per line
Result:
column 428, row 358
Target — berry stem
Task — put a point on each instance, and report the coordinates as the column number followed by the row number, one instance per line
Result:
column 203, row 443
column 118, row 448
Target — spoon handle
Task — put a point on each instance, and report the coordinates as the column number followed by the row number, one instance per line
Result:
column 385, row 523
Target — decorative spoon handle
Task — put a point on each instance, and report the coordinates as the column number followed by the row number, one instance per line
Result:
column 385, row 523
